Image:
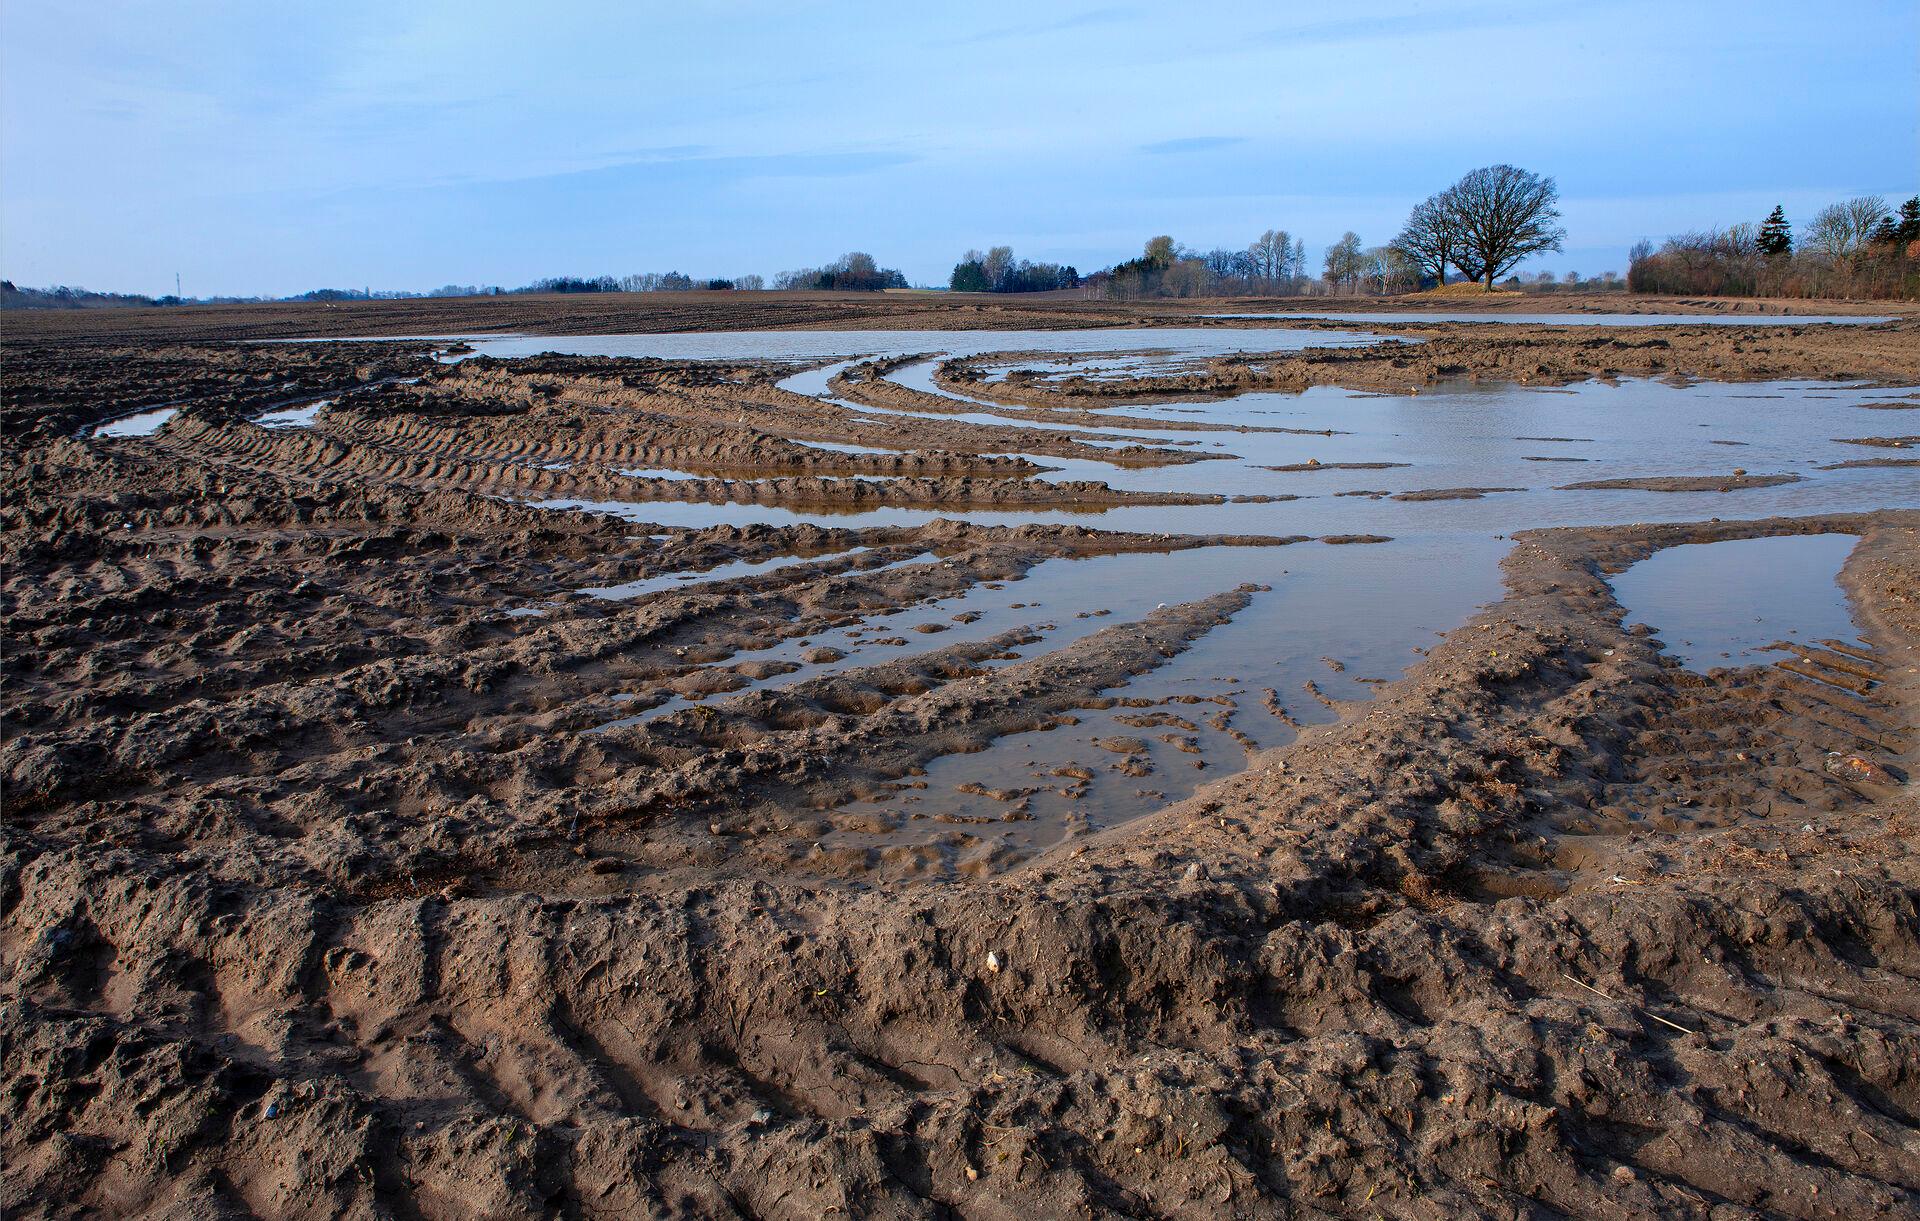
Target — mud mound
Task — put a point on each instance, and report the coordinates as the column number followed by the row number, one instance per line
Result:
column 1461, row 289
column 1682, row 483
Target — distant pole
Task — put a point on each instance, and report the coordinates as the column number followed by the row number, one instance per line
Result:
column 176, row 284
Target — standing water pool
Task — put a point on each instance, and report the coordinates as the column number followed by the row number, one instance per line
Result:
column 1723, row 604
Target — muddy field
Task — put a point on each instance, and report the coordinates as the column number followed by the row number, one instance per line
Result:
column 955, row 775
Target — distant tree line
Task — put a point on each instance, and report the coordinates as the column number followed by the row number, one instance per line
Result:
column 67, row 297
column 63, row 296
column 1483, row 225
column 645, row 282
column 1573, row 281
column 1857, row 248
column 854, row 271
column 354, row 294
column 1274, row 264
column 997, row 271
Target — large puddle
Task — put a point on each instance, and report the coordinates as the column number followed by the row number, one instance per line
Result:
column 1729, row 603
column 827, row 345
column 1447, row 474
column 1455, row 458
column 1336, row 623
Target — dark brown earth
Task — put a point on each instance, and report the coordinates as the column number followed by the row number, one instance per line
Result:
column 317, row 898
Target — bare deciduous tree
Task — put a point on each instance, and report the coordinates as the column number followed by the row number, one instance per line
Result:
column 1505, row 214
column 1432, row 237
column 995, row 263
column 1840, row 231
column 1343, row 265
column 1389, row 269
column 1188, row 278
column 1276, row 256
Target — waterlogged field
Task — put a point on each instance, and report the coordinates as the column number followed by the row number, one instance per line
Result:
column 1174, row 770
column 1417, row 491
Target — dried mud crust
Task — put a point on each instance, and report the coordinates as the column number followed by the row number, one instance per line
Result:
column 1551, row 927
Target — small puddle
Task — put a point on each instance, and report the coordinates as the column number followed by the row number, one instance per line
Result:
column 144, row 424
column 1723, row 604
column 846, row 447
column 293, row 417
column 724, row 572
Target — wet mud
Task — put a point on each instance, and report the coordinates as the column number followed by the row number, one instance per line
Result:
column 381, row 844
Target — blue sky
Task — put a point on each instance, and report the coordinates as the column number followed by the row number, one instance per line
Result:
column 275, row 147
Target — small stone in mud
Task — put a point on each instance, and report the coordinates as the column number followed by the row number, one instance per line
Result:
column 822, row 655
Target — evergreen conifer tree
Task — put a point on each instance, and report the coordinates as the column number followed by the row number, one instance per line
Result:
column 1775, row 235
column 1908, row 230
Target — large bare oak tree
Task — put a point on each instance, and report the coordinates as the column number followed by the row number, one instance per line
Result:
column 1503, row 214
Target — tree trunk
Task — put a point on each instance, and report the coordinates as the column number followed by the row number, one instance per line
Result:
column 1489, row 279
